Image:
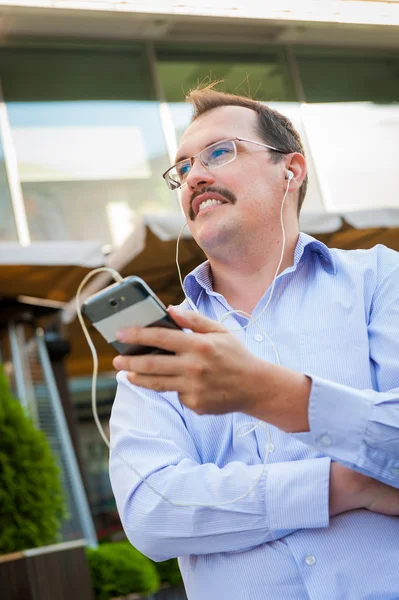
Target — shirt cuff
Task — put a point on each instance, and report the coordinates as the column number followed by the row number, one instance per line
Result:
column 297, row 494
column 338, row 420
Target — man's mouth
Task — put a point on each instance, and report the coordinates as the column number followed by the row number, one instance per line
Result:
column 208, row 199
column 210, row 202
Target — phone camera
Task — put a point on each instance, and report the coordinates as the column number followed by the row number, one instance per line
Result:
column 113, row 302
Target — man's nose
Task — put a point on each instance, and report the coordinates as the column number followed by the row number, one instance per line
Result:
column 199, row 175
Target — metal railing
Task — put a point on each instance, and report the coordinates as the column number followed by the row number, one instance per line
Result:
column 37, row 391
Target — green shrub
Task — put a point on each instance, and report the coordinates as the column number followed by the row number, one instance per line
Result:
column 118, row 569
column 31, row 499
column 169, row 572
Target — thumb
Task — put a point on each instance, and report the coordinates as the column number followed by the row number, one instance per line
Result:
column 195, row 321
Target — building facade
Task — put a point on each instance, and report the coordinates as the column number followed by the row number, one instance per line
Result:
column 92, row 108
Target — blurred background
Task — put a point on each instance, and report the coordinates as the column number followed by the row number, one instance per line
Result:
column 91, row 111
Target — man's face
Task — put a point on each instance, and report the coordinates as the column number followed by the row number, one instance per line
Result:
column 250, row 188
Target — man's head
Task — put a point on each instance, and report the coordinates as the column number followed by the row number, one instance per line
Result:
column 253, row 183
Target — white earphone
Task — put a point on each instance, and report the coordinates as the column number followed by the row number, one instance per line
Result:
column 289, row 175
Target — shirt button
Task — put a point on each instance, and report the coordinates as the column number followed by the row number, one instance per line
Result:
column 310, row 560
column 270, row 447
column 395, row 472
column 259, row 338
column 325, row 440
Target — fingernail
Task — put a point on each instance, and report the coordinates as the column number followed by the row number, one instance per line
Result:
column 117, row 362
column 121, row 335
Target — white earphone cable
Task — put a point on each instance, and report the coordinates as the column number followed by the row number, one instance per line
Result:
column 97, row 421
column 118, row 278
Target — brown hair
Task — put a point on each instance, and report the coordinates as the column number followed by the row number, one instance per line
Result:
column 273, row 127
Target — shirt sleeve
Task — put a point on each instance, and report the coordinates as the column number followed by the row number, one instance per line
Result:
column 149, row 441
column 360, row 428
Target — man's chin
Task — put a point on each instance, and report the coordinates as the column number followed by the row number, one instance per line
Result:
column 213, row 239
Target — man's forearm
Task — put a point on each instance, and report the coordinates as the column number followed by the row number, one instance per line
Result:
column 279, row 396
column 270, row 512
column 350, row 490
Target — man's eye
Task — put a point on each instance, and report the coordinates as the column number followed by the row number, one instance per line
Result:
column 183, row 169
column 218, row 152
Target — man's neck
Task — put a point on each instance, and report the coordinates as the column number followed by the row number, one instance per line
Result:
column 244, row 279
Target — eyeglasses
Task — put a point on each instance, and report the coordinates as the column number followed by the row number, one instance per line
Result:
column 212, row 157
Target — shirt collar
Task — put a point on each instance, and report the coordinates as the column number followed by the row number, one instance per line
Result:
column 306, row 243
column 200, row 279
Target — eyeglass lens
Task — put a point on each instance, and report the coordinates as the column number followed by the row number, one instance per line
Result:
column 212, row 157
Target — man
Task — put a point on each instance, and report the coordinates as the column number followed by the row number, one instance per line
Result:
column 311, row 528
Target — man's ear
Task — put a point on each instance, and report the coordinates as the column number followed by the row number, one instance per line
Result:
column 297, row 165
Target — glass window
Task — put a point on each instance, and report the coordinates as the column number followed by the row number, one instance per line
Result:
column 89, row 141
column 8, row 230
column 259, row 74
column 348, row 77
column 354, row 147
column 352, row 112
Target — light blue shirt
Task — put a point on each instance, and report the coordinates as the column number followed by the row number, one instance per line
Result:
column 334, row 315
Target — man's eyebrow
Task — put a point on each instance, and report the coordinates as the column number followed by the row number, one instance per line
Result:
column 184, row 156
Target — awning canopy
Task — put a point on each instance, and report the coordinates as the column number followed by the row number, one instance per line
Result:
column 49, row 270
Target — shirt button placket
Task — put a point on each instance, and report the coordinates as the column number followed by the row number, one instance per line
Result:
column 310, row 560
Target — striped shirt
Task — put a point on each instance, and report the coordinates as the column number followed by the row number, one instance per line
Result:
column 334, row 315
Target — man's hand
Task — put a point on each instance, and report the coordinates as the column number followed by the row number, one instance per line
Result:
column 211, row 370
column 350, row 490
column 214, row 373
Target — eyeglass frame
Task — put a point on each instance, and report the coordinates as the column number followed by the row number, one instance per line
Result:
column 233, row 139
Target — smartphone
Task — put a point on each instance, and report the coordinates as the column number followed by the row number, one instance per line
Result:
column 126, row 304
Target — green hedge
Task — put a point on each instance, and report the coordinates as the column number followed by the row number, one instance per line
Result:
column 118, row 569
column 169, row 572
column 31, row 499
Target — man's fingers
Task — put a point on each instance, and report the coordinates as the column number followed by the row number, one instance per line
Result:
column 171, row 339
column 194, row 321
column 159, row 337
column 149, row 364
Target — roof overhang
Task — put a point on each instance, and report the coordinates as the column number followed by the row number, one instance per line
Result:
column 356, row 23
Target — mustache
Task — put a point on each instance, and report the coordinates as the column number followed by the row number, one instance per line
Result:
column 224, row 192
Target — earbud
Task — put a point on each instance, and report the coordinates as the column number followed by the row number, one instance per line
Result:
column 289, row 175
